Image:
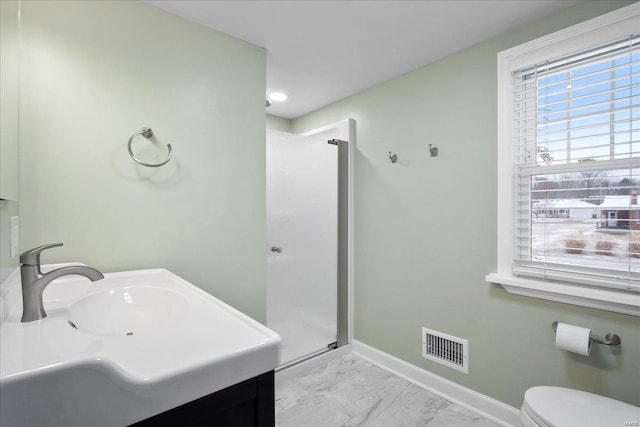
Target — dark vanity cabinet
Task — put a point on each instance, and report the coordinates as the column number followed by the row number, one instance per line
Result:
column 246, row 404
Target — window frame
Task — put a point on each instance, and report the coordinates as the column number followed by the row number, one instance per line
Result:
column 594, row 32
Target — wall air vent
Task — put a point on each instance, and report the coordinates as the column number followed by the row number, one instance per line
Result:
column 445, row 349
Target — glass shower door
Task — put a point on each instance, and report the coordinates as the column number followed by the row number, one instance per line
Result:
column 302, row 239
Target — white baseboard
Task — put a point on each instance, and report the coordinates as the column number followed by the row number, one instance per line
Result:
column 479, row 403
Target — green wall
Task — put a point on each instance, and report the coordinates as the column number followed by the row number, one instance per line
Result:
column 278, row 123
column 10, row 99
column 9, row 143
column 95, row 72
column 425, row 232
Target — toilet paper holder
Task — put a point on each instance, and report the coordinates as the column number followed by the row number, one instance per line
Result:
column 609, row 339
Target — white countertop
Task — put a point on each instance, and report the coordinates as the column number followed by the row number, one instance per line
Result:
column 204, row 346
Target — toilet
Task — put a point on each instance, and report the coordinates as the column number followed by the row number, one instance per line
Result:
column 563, row 407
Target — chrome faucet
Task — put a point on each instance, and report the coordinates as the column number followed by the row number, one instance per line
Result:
column 34, row 281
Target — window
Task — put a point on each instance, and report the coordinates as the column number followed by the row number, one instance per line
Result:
column 569, row 165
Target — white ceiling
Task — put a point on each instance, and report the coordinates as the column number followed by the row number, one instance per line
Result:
column 321, row 51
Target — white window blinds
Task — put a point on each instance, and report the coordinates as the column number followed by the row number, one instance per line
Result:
column 577, row 156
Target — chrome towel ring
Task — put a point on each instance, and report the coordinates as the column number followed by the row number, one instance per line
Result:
column 147, row 133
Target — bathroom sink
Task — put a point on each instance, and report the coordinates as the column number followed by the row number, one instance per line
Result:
column 127, row 311
column 123, row 349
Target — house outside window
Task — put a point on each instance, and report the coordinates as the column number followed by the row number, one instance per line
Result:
column 569, row 165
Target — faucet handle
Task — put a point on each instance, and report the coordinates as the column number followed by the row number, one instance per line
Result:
column 32, row 256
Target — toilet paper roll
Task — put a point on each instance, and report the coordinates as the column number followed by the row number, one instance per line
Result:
column 573, row 338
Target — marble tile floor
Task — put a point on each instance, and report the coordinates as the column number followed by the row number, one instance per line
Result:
column 352, row 392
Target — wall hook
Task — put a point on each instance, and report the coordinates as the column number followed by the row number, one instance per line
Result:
column 433, row 151
column 393, row 157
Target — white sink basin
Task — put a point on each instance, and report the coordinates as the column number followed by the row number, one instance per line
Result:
column 127, row 311
column 125, row 348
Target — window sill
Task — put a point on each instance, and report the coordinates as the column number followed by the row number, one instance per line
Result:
column 602, row 299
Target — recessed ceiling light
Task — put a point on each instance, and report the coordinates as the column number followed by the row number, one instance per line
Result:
column 278, row 96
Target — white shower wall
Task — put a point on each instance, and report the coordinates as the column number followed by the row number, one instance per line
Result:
column 302, row 219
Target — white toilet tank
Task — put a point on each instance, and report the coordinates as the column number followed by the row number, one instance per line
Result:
column 564, row 407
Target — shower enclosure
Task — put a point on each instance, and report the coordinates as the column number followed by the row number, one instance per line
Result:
column 307, row 239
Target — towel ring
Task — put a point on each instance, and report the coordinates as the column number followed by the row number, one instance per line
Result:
column 147, row 133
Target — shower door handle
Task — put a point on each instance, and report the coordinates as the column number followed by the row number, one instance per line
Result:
column 276, row 249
